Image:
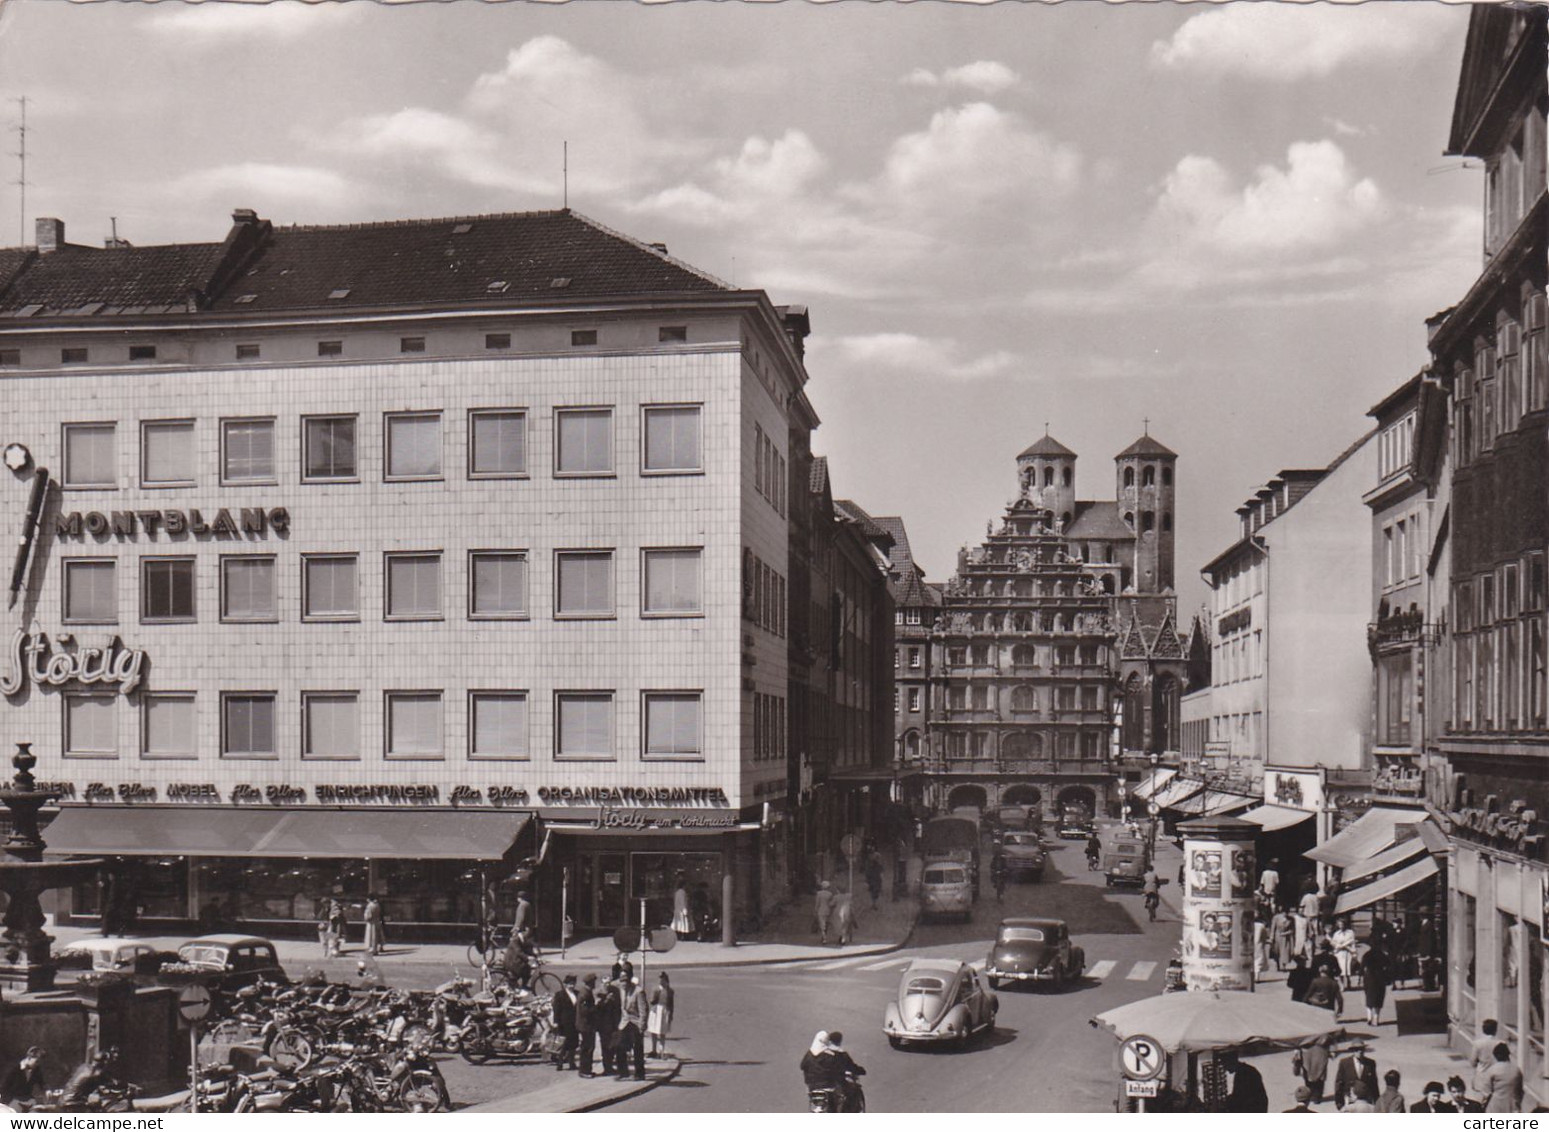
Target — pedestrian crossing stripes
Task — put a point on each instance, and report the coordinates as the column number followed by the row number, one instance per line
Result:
column 838, row 964
column 1101, row 969
column 1141, row 971
column 885, row 964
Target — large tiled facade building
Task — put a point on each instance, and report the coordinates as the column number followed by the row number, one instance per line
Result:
column 400, row 558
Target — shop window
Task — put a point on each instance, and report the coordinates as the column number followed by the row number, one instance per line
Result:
column 497, row 584
column 168, row 456
column 1464, row 960
column 329, row 448
column 169, row 726
column 90, row 455
column 413, row 587
column 497, row 443
column 497, row 725
column 247, row 725
column 583, row 725
column 330, row 587
column 584, row 583
column 91, row 727
column 247, row 588
column 583, row 442
column 91, row 591
column 1510, row 935
column 672, row 438
column 247, row 451
column 414, row 725
column 167, row 589
column 330, row 727
column 413, row 446
column 672, row 582
column 674, row 725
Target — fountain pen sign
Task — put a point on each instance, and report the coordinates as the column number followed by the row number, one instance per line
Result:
column 32, row 657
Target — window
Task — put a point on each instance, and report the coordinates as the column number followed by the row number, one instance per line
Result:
column 414, row 345
column 672, row 334
column 413, row 446
column 142, row 353
column 583, row 338
column 583, row 725
column 90, row 727
column 674, row 725
column 414, row 725
column 1395, row 680
column 911, row 616
column 168, row 726
column 10, row 357
column 247, row 725
column 329, row 587
column 91, row 591
column 247, row 451
column 497, row 725
column 672, row 439
column 247, row 588
column 329, row 448
column 330, row 725
column 497, row 341
column 331, row 349
column 497, row 583
column 248, row 351
column 413, row 586
column 90, row 456
column 915, row 658
column 167, row 589
column 583, row 442
column 914, row 699
column 584, row 583
column 73, row 355
column 672, row 582
column 497, row 443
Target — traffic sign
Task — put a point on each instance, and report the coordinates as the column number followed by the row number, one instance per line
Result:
column 1150, row 1088
column 850, row 845
column 626, row 939
column 1153, row 809
column 193, row 1002
column 663, row 939
column 1141, row 1058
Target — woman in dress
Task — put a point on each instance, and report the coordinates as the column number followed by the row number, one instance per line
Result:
column 1343, row 941
column 682, row 918
column 659, row 1020
column 1283, row 932
column 1376, row 972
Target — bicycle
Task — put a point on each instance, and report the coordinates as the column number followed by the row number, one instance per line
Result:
column 487, row 950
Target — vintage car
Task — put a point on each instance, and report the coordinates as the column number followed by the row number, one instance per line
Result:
column 939, row 1001
column 1125, row 860
column 108, row 953
column 1033, row 950
column 1023, row 853
column 946, row 890
column 225, row 962
column 1075, row 824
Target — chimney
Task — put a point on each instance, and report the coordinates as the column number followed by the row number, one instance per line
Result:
column 244, row 216
column 662, row 248
column 51, row 234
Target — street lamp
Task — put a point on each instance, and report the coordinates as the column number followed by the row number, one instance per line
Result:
column 1156, row 760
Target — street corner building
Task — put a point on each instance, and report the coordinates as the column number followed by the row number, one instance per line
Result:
column 437, row 559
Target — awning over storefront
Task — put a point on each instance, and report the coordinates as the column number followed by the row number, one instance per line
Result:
column 1176, row 791
column 1385, row 886
column 1389, row 859
column 1152, row 782
column 1373, row 832
column 1272, row 817
column 1210, row 802
column 156, row 832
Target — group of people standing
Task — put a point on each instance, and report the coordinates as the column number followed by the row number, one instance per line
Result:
column 618, row 1016
column 333, row 926
column 1356, row 1087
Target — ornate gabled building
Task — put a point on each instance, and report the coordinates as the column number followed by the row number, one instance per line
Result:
column 1056, row 651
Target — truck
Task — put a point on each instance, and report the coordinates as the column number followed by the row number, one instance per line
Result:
column 953, row 837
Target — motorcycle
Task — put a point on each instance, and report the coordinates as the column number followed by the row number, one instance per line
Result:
column 520, row 1028
column 850, row 1098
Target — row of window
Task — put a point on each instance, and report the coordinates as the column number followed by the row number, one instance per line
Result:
column 1502, row 594
column 671, row 586
column 1025, row 698
column 1025, row 745
column 1403, row 550
column 1395, row 445
column 763, row 594
column 1239, row 658
column 1501, row 676
column 1510, row 378
column 769, row 477
column 328, row 347
column 1026, row 656
column 916, row 701
column 769, row 724
column 413, row 725
column 412, row 442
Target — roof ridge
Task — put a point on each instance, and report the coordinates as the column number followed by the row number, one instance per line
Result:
column 426, row 221
column 645, row 247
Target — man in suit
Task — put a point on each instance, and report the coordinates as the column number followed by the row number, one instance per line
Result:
column 610, row 1012
column 1432, row 1101
column 1355, row 1067
column 631, row 1036
column 564, row 1008
column 1247, row 1093
column 586, row 1023
column 1461, row 1101
column 1303, row 1099
column 1314, row 1066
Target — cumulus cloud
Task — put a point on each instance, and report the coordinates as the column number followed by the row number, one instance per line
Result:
column 1286, row 42
column 912, row 353
column 252, row 183
column 218, row 21
column 984, row 76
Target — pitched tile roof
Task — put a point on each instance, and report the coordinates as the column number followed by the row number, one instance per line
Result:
column 1147, row 445
column 106, row 281
column 855, row 513
column 817, row 478
column 1046, row 446
column 1098, row 519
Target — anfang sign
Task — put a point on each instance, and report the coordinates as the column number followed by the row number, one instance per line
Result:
column 33, row 658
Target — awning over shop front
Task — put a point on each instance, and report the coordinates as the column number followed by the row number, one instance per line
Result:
column 1209, row 802
column 1272, row 817
column 1176, row 791
column 156, row 832
column 1373, row 832
column 393, row 834
column 1390, row 858
column 1386, row 886
column 1152, row 782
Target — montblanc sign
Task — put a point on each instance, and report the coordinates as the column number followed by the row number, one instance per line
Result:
column 32, row 657
column 130, row 524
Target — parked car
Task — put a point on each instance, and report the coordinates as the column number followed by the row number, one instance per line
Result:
column 1125, row 860
column 1075, row 824
column 939, row 1001
column 946, row 890
column 225, row 962
column 1033, row 950
column 1023, row 853
column 108, row 953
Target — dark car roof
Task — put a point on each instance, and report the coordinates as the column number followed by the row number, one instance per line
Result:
column 1031, row 922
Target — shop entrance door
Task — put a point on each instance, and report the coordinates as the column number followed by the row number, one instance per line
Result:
column 601, row 892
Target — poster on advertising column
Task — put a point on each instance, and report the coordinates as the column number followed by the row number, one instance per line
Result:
column 1218, row 915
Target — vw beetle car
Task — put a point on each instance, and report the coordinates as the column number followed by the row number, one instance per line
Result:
column 1023, row 853
column 105, row 954
column 940, row 1002
column 1033, row 950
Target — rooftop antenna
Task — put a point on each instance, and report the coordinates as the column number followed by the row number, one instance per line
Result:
column 565, row 173
column 21, row 152
column 113, row 222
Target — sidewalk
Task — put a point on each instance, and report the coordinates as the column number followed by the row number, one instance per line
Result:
column 570, row 1093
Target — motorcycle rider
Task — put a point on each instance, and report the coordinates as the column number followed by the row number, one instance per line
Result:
column 1094, row 851
column 998, row 874
column 827, row 1068
column 93, row 1074
column 519, row 956
column 1152, row 885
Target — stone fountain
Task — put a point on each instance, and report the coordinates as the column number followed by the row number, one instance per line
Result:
column 24, row 874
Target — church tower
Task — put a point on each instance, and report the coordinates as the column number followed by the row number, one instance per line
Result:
column 1046, row 470
column 1145, row 491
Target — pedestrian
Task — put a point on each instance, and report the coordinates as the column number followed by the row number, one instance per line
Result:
column 522, row 917
column 1355, row 1068
column 563, row 1008
column 1282, row 936
column 339, row 924
column 1343, row 944
column 373, row 918
column 682, row 916
column 844, row 918
column 1502, row 1083
column 1307, row 920
column 823, row 909
column 1311, row 1064
column 586, row 1023
column 324, row 930
column 1303, row 1098
column 622, row 968
column 1298, row 979
column 1361, row 1098
column 1326, row 909
column 1324, row 962
column 632, row 1023
column 1269, row 881
column 1457, row 1092
column 874, row 877
column 1391, row 1099
column 1432, row 1101
column 1376, row 967
column 23, row 1082
column 659, row 1022
column 1247, row 1093
column 610, row 1015
column 1260, row 940
column 1481, row 1054
column 1323, row 991
column 699, row 905
column 1152, row 887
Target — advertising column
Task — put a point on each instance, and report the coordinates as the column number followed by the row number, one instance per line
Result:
column 1218, row 881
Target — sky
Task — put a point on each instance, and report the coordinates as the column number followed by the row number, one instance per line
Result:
column 1229, row 221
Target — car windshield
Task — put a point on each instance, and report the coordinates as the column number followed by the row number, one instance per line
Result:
column 1032, row 935
column 210, row 955
column 1021, row 839
column 924, row 984
column 944, row 876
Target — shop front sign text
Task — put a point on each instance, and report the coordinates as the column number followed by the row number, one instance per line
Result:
column 33, row 658
column 665, row 819
column 131, row 524
column 632, row 795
